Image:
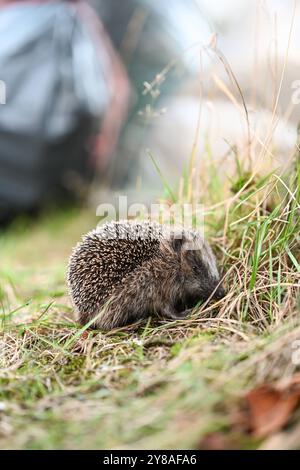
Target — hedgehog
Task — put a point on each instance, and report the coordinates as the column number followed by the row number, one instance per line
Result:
column 125, row 271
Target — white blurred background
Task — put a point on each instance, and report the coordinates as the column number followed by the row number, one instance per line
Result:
column 259, row 42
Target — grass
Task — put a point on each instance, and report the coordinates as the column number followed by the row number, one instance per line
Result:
column 157, row 384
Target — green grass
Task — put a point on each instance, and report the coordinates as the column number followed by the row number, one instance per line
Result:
column 157, row 384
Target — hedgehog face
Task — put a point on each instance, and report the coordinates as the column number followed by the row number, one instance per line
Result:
column 200, row 275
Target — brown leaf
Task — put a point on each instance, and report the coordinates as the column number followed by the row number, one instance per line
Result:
column 85, row 334
column 271, row 406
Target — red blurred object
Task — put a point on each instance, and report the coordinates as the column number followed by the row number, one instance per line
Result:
column 118, row 83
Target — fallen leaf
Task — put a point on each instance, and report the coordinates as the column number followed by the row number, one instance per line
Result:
column 85, row 334
column 270, row 406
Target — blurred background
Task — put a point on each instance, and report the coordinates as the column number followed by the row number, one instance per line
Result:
column 102, row 97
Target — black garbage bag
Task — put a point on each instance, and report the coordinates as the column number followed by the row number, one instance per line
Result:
column 53, row 95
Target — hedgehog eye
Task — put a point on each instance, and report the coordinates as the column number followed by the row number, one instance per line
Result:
column 195, row 268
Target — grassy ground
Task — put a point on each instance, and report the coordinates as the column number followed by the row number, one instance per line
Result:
column 154, row 385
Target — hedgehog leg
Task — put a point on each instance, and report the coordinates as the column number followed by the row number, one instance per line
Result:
column 120, row 311
column 183, row 313
column 170, row 312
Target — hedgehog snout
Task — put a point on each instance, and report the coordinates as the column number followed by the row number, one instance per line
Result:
column 220, row 293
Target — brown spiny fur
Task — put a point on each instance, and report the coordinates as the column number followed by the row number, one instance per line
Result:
column 119, row 280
